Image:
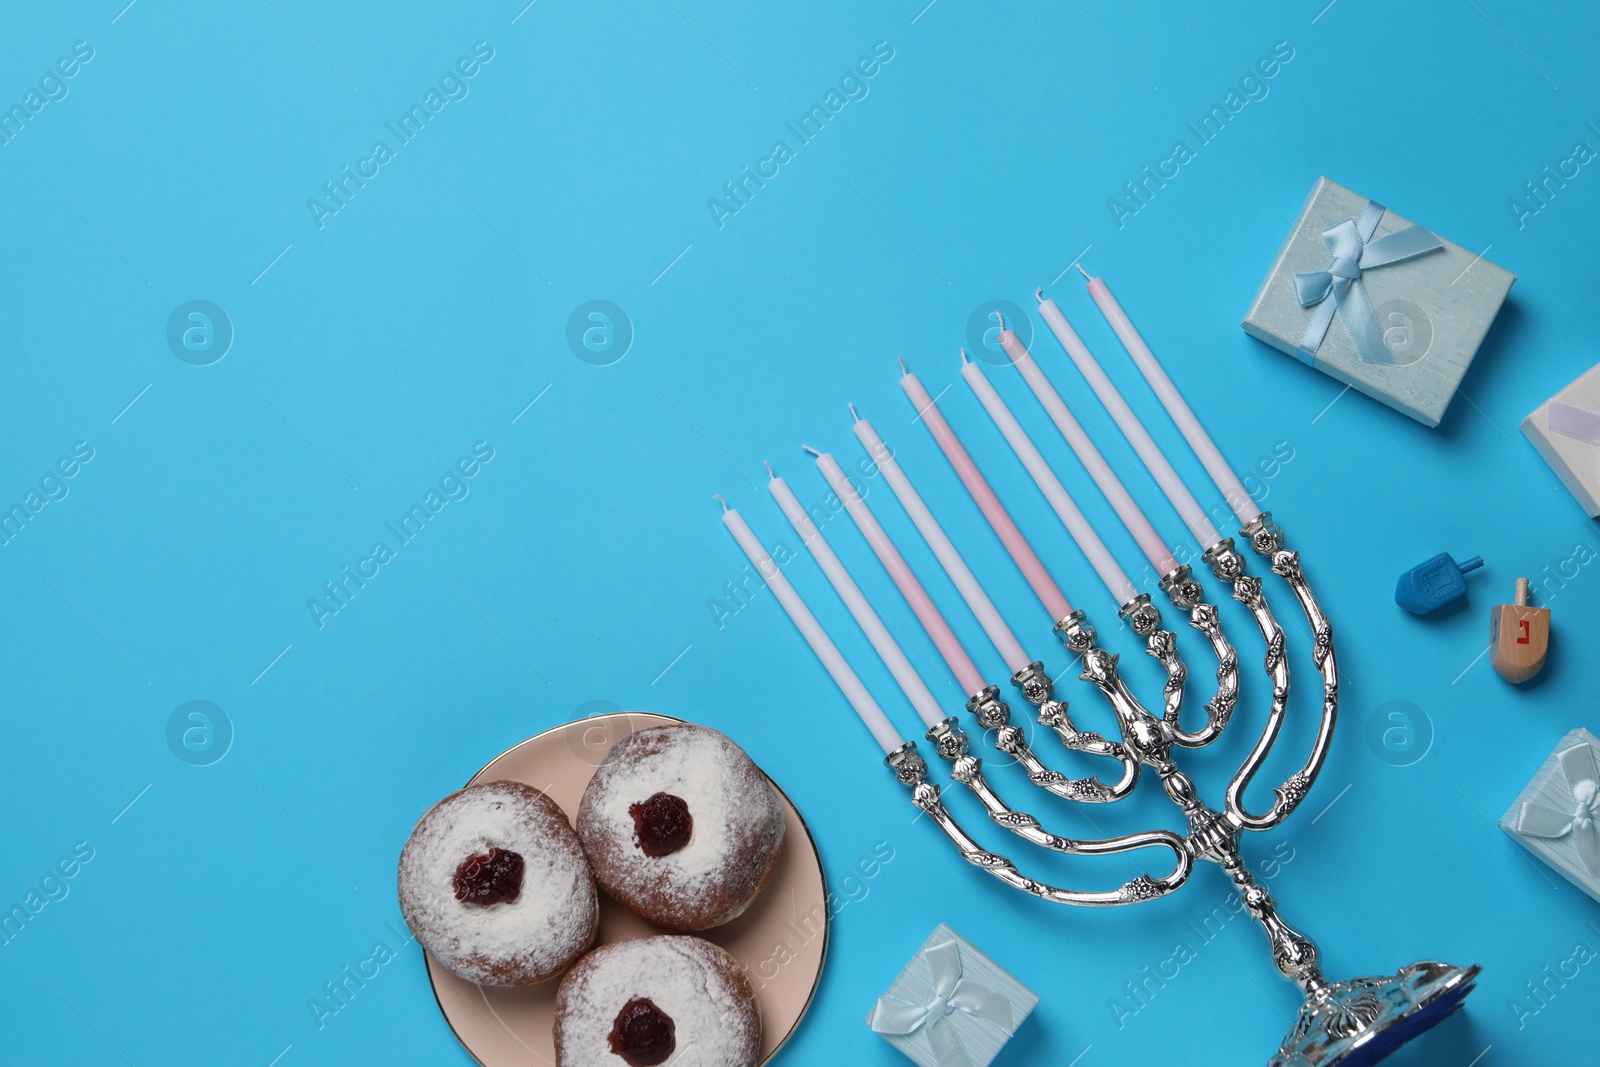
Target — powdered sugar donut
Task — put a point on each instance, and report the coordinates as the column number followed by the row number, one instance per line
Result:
column 670, row 999
column 494, row 883
column 680, row 826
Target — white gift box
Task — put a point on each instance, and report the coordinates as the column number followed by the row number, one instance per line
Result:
column 1566, row 431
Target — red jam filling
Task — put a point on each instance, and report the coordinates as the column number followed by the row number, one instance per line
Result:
column 662, row 825
column 493, row 877
column 643, row 1034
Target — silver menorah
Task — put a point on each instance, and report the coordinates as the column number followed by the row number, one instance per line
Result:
column 1353, row 1022
column 1350, row 1023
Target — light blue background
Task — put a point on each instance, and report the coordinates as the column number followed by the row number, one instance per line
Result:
column 430, row 311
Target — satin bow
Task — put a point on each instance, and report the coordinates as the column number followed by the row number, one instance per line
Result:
column 1569, row 420
column 951, row 993
column 1354, row 251
column 1579, row 819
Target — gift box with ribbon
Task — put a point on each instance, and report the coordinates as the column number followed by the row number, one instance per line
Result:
column 1557, row 817
column 1412, row 307
column 952, row 1006
column 1566, row 431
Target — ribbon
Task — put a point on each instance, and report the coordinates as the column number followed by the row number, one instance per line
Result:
column 1354, row 251
column 1568, row 420
column 1578, row 820
column 951, row 993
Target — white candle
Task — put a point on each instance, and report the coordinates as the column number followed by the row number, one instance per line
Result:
column 911, row 682
column 883, row 730
column 1116, row 582
column 977, row 600
column 1133, row 517
column 1187, row 506
column 1222, row 474
column 944, row 638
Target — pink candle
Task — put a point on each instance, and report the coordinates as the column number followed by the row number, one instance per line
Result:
column 1000, row 635
column 1222, row 474
column 944, row 639
column 1022, row 554
column 1150, row 542
column 877, row 722
column 1183, row 501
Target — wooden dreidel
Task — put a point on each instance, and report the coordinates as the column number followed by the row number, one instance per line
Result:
column 1519, row 636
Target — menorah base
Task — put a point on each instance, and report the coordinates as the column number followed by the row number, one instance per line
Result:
column 1357, row 1022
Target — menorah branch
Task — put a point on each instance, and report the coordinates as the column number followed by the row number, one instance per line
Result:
column 950, row 741
column 1144, row 619
column 1143, row 735
column 1267, row 541
column 992, row 713
column 1188, row 595
column 1229, row 566
column 912, row 772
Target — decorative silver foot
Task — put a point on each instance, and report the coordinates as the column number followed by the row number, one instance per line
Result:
column 1360, row 1021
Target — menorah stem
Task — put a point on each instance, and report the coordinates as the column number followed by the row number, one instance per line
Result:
column 1293, row 952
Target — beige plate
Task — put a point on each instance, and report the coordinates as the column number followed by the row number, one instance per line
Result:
column 781, row 940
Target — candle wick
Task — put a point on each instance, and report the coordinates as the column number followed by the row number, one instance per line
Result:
column 718, row 497
column 902, row 360
column 853, row 414
column 1083, row 272
column 813, row 451
column 1001, row 319
column 1038, row 294
column 964, row 358
column 770, row 473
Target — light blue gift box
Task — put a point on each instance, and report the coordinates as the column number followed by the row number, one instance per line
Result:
column 1557, row 817
column 952, row 1006
column 1377, row 302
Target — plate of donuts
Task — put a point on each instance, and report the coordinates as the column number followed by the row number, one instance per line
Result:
column 625, row 890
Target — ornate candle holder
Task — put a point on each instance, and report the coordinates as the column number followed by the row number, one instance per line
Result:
column 1350, row 1023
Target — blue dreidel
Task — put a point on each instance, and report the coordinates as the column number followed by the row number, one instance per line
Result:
column 1434, row 583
